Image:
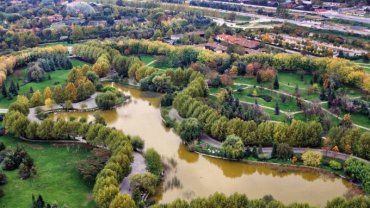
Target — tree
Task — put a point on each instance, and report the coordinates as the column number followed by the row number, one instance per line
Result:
column 48, row 93
column 311, row 158
column 259, row 78
column 276, row 83
column 13, row 88
column 277, row 109
column 153, row 161
column 49, row 103
column 346, row 121
column 68, row 105
column 58, row 94
column 284, row 151
column 122, row 201
column 233, row 147
column 234, row 71
column 143, row 182
column 70, row 92
column 4, row 91
column 77, row 33
column 106, row 100
column 137, row 143
column 189, row 130
column 36, row 99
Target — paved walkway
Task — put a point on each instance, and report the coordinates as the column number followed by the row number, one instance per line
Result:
column 138, row 166
column 307, row 101
column 298, row 150
column 89, row 103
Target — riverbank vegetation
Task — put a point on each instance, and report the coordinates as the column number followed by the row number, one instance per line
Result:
column 239, row 200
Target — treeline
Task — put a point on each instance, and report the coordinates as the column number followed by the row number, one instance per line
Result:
column 19, row 59
column 298, row 133
column 330, row 72
column 106, row 189
column 359, row 171
column 237, row 200
column 47, row 63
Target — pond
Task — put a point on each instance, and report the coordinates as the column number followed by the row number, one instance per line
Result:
column 191, row 175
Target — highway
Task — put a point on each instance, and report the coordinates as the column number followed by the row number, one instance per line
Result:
column 304, row 23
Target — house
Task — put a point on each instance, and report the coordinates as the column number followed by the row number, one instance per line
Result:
column 216, row 47
column 251, row 44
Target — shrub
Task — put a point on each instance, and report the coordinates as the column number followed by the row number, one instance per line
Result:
column 233, row 147
column 312, row 158
column 189, row 130
column 153, row 161
column 284, row 151
column 3, row 179
column 137, row 143
column 167, row 99
column 335, row 165
column 106, row 100
column 2, row 146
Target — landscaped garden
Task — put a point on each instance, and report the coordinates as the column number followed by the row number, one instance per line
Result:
column 20, row 75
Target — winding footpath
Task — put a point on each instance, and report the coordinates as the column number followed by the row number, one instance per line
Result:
column 306, row 101
column 298, row 150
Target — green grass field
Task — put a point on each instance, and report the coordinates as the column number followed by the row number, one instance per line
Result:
column 57, row 179
column 364, row 65
column 57, row 77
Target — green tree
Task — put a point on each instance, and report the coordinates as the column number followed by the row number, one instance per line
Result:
column 122, row 201
column 143, row 182
column 154, row 162
column 189, row 130
column 233, row 147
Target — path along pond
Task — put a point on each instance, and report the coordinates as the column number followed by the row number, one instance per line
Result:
column 191, row 175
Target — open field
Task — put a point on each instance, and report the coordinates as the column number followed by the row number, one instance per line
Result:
column 57, row 178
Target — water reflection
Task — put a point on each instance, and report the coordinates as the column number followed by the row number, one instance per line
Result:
column 190, row 175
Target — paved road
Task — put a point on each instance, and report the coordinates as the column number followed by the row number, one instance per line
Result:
column 138, row 166
column 309, row 24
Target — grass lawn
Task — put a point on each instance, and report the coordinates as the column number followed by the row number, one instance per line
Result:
column 364, row 65
column 360, row 119
column 57, row 178
column 146, row 59
column 289, row 105
column 57, row 77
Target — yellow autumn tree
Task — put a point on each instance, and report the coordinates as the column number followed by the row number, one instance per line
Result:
column 70, row 92
column 47, row 93
column 49, row 103
column 36, row 99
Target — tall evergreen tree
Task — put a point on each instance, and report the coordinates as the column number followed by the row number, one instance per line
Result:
column 276, row 83
column 13, row 88
column 4, row 91
column 277, row 109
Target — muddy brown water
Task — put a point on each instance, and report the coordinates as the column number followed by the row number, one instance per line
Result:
column 191, row 175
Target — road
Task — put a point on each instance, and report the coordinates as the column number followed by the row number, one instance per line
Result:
column 304, row 23
column 329, row 14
